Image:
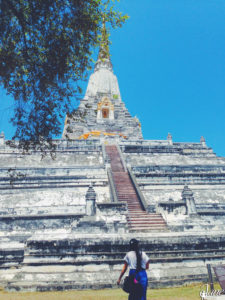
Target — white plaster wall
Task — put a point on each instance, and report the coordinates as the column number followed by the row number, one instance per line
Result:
column 153, row 196
column 171, row 159
column 49, row 200
column 62, row 160
column 203, row 194
column 48, row 197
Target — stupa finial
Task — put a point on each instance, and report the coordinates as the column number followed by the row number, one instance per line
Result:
column 104, row 45
column 104, row 56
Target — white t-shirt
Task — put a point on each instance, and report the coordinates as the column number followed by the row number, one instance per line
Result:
column 131, row 260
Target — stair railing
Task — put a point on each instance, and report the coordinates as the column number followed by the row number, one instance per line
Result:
column 137, row 190
column 112, row 185
column 121, row 158
column 104, row 155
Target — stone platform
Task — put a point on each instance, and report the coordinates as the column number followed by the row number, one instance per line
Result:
column 73, row 261
column 66, row 223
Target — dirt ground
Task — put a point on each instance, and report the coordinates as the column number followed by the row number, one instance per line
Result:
column 190, row 292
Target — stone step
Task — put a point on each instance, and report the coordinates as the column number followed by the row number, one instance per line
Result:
column 148, row 228
column 11, row 253
column 32, row 286
column 145, row 219
column 120, row 182
column 125, row 193
column 143, row 212
column 137, row 218
column 118, row 179
column 143, row 215
column 133, row 207
column 132, row 198
column 130, row 205
column 124, row 185
column 130, row 202
column 140, row 215
column 122, row 175
column 136, row 208
column 115, row 256
column 146, row 223
column 137, row 229
column 51, row 277
column 133, row 201
column 123, row 190
column 128, row 195
column 133, row 213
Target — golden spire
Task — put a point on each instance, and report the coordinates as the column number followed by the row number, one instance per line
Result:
column 104, row 44
column 103, row 55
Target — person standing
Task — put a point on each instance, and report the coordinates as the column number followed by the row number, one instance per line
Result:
column 138, row 263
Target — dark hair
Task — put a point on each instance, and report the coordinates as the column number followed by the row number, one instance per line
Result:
column 134, row 246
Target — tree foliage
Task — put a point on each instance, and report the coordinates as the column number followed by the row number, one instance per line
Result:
column 45, row 50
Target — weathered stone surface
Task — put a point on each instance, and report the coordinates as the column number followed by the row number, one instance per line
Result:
column 45, row 212
column 90, row 202
column 175, row 259
column 61, row 225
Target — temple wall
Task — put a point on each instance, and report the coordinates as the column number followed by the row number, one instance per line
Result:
column 202, row 194
column 146, row 159
column 12, row 160
column 78, row 172
column 46, row 232
column 50, row 201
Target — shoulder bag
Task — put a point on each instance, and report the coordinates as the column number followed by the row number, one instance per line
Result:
column 130, row 285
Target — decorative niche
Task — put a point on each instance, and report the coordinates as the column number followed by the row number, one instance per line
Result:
column 105, row 109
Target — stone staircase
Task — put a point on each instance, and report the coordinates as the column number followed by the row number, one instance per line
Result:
column 138, row 219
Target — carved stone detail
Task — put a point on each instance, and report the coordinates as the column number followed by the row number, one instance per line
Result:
column 105, row 109
column 90, row 202
column 187, row 197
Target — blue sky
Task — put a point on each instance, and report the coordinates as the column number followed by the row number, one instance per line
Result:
column 169, row 58
column 170, row 61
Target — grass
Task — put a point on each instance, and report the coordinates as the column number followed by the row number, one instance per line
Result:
column 190, row 292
